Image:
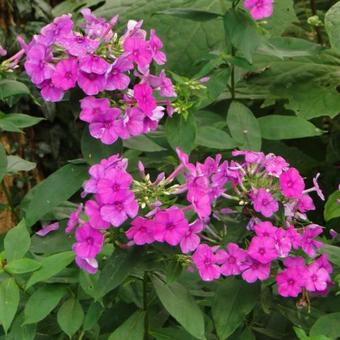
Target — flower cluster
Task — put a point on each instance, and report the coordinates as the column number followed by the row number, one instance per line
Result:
column 259, row 9
column 279, row 241
column 130, row 99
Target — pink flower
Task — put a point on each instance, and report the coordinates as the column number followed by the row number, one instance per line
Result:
column 290, row 282
column 275, row 165
column 317, row 278
column 259, row 9
column 291, row 183
column 156, row 45
column 206, row 262
column 131, row 124
column 166, row 87
column 141, row 231
column 65, row 74
column 92, row 210
column 116, row 78
column 47, row 228
column 305, row 203
column 50, row 92
column 93, row 64
column 265, row 229
column 170, row 226
column 232, row 259
column 191, row 240
column 323, row 262
column 103, row 126
column 254, row 270
column 122, row 206
column 89, row 242
column 294, row 237
column 138, row 51
column 308, row 242
column 317, row 188
column 283, row 243
column 61, row 27
column 92, row 107
column 145, row 100
column 78, row 45
column 264, row 202
column 73, row 220
column 91, row 83
column 262, row 249
column 89, row 265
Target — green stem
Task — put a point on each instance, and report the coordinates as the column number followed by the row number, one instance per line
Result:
column 317, row 28
column 9, row 200
column 145, row 306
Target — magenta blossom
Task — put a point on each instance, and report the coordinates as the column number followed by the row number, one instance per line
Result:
column 264, row 202
column 308, row 242
column 87, row 264
column 262, row 249
column 50, row 92
column 254, row 270
column 89, row 242
column 290, row 282
column 141, row 231
column 47, row 228
column 259, row 9
column 138, row 51
column 156, row 45
column 92, row 210
column 170, row 226
column 145, row 100
column 74, row 219
column 191, row 240
column 65, row 74
column 116, row 78
column 232, row 259
column 291, row 183
column 92, row 107
column 206, row 262
column 317, row 278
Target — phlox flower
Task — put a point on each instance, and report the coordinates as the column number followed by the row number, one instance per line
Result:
column 78, row 45
column 231, row 259
column 290, row 281
column 264, row 202
column 89, row 242
column 254, row 270
column 91, row 83
column 138, row 51
column 305, row 203
column 308, row 242
column 145, row 100
column 156, row 45
column 93, row 64
column 60, row 28
column 73, row 220
column 170, row 226
column 65, row 74
column 92, row 210
column 131, row 123
column 291, row 183
column 47, row 228
column 275, row 165
column 50, row 92
column 92, row 107
column 116, row 77
column 265, row 229
column 317, row 278
column 191, row 240
column 206, row 262
column 141, row 231
column 90, row 265
column 262, row 249
column 259, row 9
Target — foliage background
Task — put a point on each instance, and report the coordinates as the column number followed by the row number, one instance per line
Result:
column 285, row 77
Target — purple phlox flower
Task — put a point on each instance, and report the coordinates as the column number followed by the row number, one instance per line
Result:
column 122, row 206
column 323, row 262
column 283, row 243
column 47, row 228
column 141, row 231
column 89, row 242
column 50, row 92
column 116, row 78
column 308, row 242
column 103, row 126
column 131, row 123
column 254, row 270
column 92, row 106
column 93, row 64
column 73, row 220
column 290, row 281
column 264, row 202
column 144, row 96
column 295, row 262
column 251, row 157
column 3, row 51
column 92, row 210
column 305, row 203
column 259, row 9
column 170, row 226
column 333, row 233
column 166, row 87
column 37, row 64
column 275, row 165
column 91, row 83
column 138, row 51
column 65, row 74
column 265, row 229
column 262, row 249
column 156, row 45
column 60, row 28
column 294, row 236
column 317, row 278
column 206, row 262
column 78, row 46
column 291, row 183
column 90, row 265
column 231, row 259
column 317, row 188
column 191, row 240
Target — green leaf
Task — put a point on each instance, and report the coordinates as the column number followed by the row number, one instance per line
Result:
column 9, row 302
column 20, row 331
column 333, row 253
column 9, row 88
column 332, row 206
column 115, row 271
column 93, row 315
column 332, row 24
column 14, row 122
column 16, row 163
column 3, row 162
column 191, row 13
column 70, row 316
column 244, row 127
column 234, row 300
column 142, row 143
column 132, row 328
column 50, row 266
column 42, row 302
column 241, row 32
column 181, row 132
column 212, row 137
column 55, row 189
column 22, row 266
column 181, row 306
column 275, row 127
column 171, row 333
column 93, row 150
column 327, row 325
column 17, row 242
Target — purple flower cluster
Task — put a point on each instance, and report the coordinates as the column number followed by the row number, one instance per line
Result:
column 130, row 101
column 259, row 9
column 279, row 241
